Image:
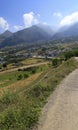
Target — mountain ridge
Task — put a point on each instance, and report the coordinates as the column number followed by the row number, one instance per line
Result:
column 5, row 35
column 26, row 36
column 38, row 33
column 67, row 31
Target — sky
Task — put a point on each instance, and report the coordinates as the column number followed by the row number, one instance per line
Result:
column 19, row 14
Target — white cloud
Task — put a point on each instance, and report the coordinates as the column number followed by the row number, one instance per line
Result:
column 3, row 24
column 17, row 27
column 69, row 19
column 57, row 14
column 45, row 23
column 30, row 19
column 38, row 15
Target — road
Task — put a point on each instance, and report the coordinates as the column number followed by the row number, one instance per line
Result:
column 22, row 67
column 61, row 111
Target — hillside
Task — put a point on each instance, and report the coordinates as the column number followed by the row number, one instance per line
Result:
column 21, row 102
column 27, row 36
column 60, row 113
column 5, row 35
column 67, row 32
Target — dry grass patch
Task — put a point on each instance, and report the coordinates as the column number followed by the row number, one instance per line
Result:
column 20, row 84
column 31, row 61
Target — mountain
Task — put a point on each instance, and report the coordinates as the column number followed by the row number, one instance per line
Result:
column 38, row 33
column 5, row 35
column 28, row 36
column 67, row 31
column 46, row 28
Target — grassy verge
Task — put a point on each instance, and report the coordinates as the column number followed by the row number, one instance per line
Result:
column 22, row 110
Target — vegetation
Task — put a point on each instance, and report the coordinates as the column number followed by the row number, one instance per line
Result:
column 12, row 77
column 4, row 65
column 21, row 110
column 30, row 61
column 11, row 61
column 69, row 54
column 56, row 62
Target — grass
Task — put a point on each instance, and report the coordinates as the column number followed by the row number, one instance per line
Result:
column 28, row 61
column 20, row 84
column 21, row 110
column 32, row 61
column 9, row 78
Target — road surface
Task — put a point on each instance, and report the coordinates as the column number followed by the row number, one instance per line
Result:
column 61, row 111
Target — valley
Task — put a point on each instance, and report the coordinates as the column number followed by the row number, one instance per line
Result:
column 33, row 62
column 38, row 65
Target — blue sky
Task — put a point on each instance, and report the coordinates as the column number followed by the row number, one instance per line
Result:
column 19, row 14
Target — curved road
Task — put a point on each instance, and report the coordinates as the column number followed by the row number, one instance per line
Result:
column 61, row 112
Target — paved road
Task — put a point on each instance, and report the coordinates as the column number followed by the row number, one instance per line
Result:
column 61, row 112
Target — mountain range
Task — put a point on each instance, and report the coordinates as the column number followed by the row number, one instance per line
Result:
column 37, row 33
column 5, row 35
column 67, row 31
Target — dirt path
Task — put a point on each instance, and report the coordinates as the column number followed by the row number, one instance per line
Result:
column 26, row 66
column 61, row 112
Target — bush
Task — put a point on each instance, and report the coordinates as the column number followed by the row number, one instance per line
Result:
column 9, row 98
column 56, row 62
column 33, row 71
column 19, row 69
column 19, row 77
column 69, row 54
column 26, row 75
column 4, row 65
column 20, row 119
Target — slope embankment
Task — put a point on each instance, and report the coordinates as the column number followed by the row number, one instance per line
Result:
column 61, row 111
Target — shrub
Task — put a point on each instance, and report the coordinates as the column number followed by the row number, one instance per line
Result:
column 56, row 62
column 19, row 77
column 19, row 69
column 26, row 75
column 9, row 98
column 4, row 65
